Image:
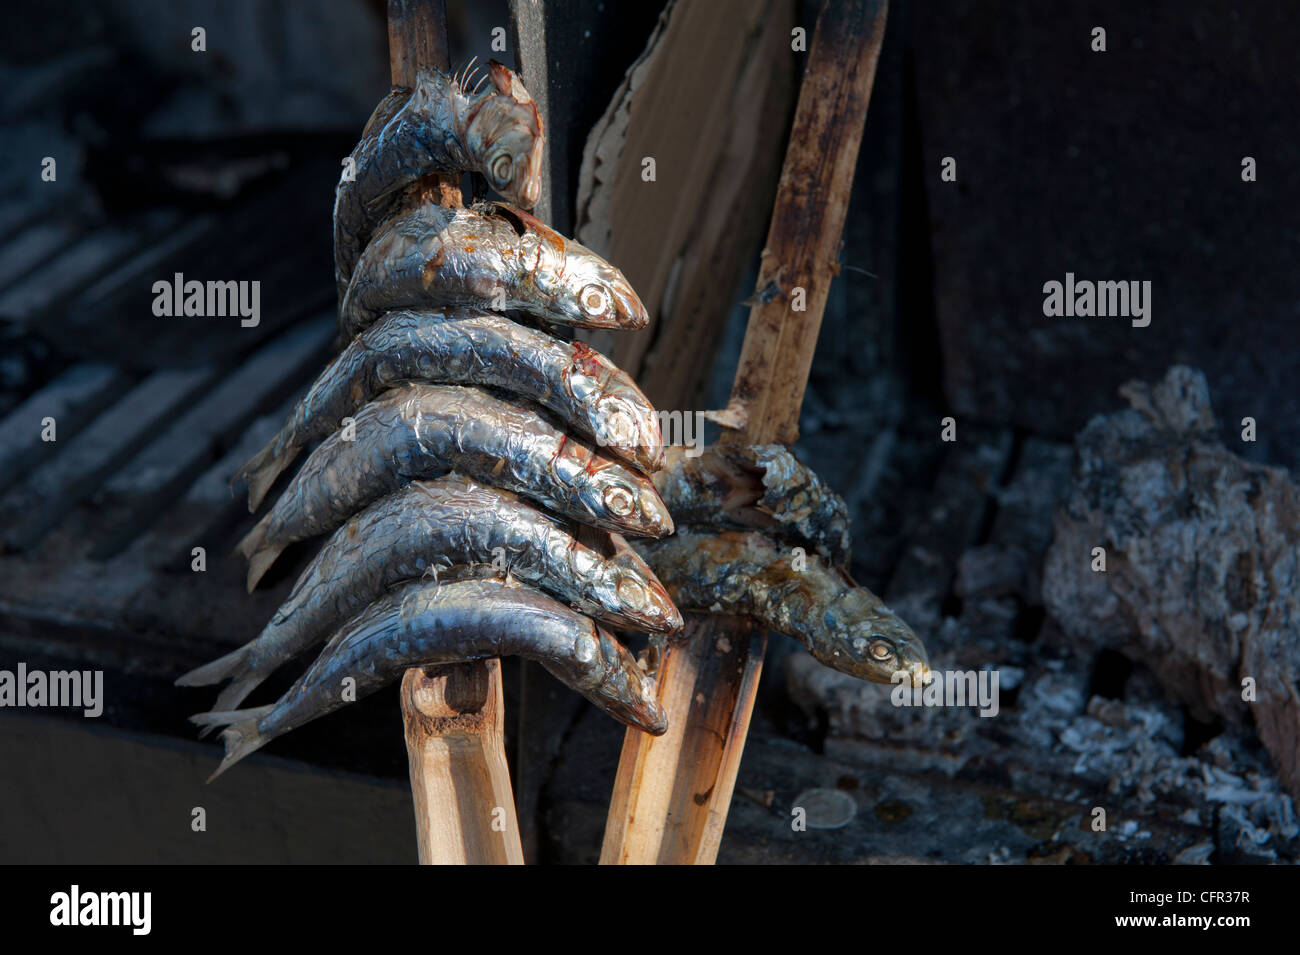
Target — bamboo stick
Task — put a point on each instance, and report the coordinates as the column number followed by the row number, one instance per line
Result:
column 453, row 715
column 803, row 242
column 667, row 807
column 417, row 37
column 460, row 783
column 672, row 793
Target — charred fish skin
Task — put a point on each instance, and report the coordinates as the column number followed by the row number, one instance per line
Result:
column 455, row 526
column 490, row 256
column 763, row 487
column 426, row 623
column 441, row 127
column 387, row 107
column 424, row 431
column 468, row 347
column 802, row 502
column 844, row 626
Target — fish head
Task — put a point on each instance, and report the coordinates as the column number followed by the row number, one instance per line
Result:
column 626, row 692
column 566, row 282
column 622, row 417
column 503, row 136
column 627, row 582
column 619, row 499
column 866, row 639
column 595, row 293
column 625, row 423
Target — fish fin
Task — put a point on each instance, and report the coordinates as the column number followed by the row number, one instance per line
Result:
column 259, row 554
column 260, row 563
column 240, row 734
column 263, row 468
column 507, row 81
column 467, row 75
column 234, row 694
column 223, row 668
column 234, row 667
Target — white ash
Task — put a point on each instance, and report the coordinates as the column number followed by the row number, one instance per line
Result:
column 1059, row 741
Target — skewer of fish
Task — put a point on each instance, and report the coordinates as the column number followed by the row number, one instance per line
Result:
column 442, row 126
column 468, row 347
column 425, row 623
column 402, row 378
column 451, row 526
column 489, row 255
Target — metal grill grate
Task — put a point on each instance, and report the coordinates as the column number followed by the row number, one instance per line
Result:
column 98, row 526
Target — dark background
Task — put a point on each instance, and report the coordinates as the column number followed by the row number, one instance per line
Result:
column 1117, row 165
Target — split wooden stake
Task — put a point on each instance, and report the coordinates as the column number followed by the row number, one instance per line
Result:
column 672, row 793
column 454, row 717
column 460, row 783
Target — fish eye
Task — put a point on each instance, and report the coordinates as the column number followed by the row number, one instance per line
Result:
column 631, row 593
column 618, row 422
column 594, row 299
column 501, row 167
column 619, row 500
column 881, row 650
column 620, row 426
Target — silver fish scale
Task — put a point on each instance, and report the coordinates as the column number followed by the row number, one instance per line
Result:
column 393, row 270
column 419, row 137
column 382, row 166
column 426, row 430
column 435, row 256
column 425, row 624
column 439, row 128
column 451, row 522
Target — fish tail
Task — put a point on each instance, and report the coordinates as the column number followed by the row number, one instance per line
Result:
column 220, row 669
column 234, row 694
column 264, row 467
column 234, row 665
column 240, row 733
column 259, row 553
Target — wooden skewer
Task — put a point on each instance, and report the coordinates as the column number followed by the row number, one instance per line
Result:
column 460, row 783
column 417, row 37
column 666, row 806
column 454, row 718
column 672, row 793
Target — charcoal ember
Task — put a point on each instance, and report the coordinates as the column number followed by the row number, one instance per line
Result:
column 1133, row 751
column 1198, row 854
column 1202, row 561
column 1240, row 841
column 867, row 711
column 1057, row 751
